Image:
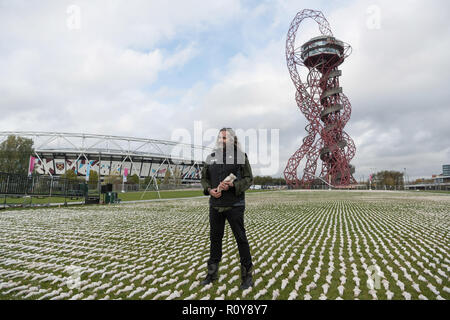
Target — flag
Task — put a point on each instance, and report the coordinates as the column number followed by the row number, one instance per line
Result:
column 125, row 174
column 88, row 171
column 31, row 165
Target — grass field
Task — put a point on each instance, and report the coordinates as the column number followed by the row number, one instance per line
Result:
column 127, row 196
column 304, row 244
column 37, row 200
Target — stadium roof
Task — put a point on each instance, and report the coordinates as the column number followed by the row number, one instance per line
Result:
column 96, row 144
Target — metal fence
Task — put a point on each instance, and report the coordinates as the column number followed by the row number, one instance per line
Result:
column 17, row 184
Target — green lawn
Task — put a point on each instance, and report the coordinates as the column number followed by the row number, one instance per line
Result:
column 304, row 244
column 433, row 191
column 165, row 194
column 38, row 200
column 127, row 196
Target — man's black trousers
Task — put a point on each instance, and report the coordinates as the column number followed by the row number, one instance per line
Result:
column 235, row 217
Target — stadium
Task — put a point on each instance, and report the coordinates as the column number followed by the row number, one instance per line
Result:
column 58, row 152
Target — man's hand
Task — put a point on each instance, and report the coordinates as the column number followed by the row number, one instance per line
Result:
column 214, row 193
column 229, row 183
column 225, row 185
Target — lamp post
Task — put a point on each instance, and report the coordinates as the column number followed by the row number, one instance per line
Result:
column 404, row 179
column 99, row 174
column 123, row 183
column 370, row 180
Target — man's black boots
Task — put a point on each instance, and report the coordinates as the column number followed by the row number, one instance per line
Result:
column 213, row 274
column 247, row 279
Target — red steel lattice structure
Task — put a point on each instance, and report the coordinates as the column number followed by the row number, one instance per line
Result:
column 324, row 105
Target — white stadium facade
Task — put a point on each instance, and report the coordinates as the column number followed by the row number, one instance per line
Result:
column 57, row 152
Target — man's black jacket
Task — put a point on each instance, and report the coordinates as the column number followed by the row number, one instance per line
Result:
column 218, row 165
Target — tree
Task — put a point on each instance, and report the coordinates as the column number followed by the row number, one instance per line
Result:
column 177, row 174
column 15, row 154
column 70, row 175
column 268, row 180
column 389, row 182
column 93, row 176
column 166, row 177
column 423, row 180
column 113, row 179
column 133, row 179
column 387, row 179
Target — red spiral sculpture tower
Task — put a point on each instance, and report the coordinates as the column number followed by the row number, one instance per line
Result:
column 324, row 105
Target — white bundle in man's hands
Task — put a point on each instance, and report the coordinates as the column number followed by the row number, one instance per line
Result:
column 230, row 178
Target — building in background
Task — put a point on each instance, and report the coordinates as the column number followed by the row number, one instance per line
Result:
column 57, row 152
column 446, row 170
column 445, row 176
column 439, row 182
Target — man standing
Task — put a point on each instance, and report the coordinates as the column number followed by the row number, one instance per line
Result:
column 227, row 202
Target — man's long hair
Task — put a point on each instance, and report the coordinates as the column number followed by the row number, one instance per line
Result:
column 232, row 140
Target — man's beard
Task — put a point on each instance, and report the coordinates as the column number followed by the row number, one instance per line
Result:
column 228, row 146
column 234, row 151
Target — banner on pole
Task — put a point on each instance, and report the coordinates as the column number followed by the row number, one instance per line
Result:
column 125, row 174
column 88, row 170
column 31, row 165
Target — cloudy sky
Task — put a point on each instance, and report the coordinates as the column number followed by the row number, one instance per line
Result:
column 147, row 68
